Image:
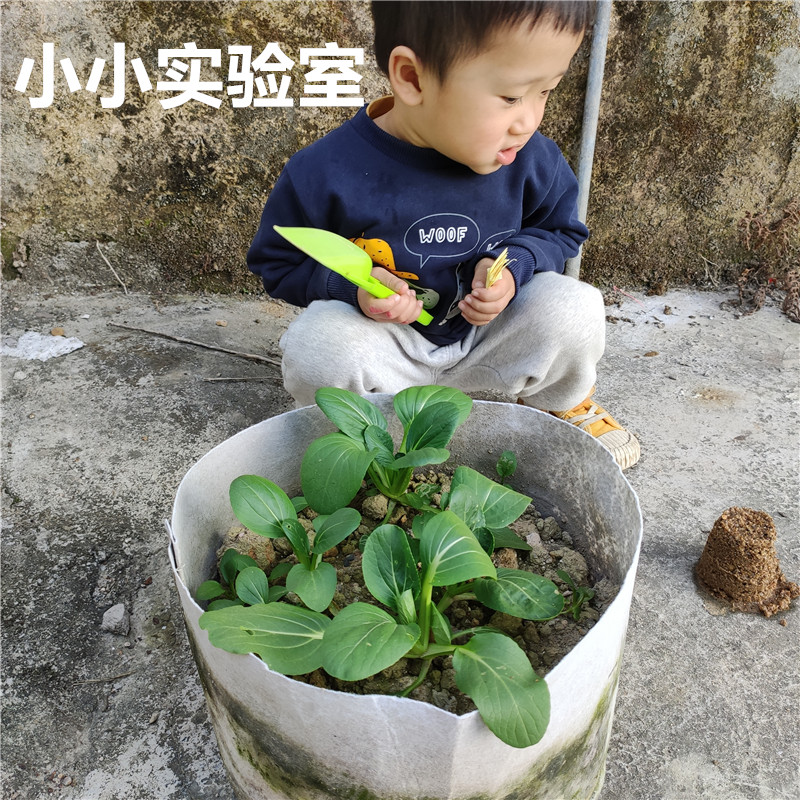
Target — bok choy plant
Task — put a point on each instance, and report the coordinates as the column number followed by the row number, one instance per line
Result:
column 413, row 576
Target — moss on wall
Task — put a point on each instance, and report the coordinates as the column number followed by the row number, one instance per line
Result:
column 698, row 130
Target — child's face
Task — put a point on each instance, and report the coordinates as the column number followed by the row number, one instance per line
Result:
column 488, row 106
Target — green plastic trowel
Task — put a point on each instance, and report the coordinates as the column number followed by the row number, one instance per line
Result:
column 342, row 256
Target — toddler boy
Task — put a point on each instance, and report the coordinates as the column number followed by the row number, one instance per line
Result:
column 434, row 182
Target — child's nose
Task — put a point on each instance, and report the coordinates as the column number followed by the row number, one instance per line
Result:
column 526, row 122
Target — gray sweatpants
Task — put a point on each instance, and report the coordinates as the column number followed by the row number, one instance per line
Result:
column 542, row 348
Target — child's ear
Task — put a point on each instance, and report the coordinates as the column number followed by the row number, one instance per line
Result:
column 405, row 73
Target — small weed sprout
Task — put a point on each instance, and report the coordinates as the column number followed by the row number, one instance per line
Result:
column 579, row 597
column 506, row 466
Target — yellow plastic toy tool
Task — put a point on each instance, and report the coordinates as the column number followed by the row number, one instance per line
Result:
column 496, row 270
column 342, row 256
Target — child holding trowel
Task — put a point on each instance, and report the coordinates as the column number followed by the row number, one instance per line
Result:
column 434, row 182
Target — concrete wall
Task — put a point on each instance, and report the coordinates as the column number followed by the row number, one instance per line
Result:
column 698, row 133
column 699, row 130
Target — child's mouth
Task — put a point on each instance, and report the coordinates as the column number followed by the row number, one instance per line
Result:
column 507, row 156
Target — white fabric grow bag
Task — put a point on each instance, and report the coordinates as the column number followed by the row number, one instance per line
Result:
column 281, row 739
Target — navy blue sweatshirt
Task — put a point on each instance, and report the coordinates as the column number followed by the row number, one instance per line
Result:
column 418, row 213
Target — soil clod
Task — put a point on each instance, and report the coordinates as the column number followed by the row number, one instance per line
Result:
column 739, row 564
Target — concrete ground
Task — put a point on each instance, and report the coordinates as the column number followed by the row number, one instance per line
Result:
column 95, row 442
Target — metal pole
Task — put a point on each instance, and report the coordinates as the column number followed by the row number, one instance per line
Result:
column 591, row 112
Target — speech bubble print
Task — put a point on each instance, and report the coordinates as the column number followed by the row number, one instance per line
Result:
column 441, row 236
column 495, row 240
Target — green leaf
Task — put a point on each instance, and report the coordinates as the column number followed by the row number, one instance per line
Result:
column 499, row 505
column 331, row 472
column 260, row 505
column 512, row 699
column 315, row 587
column 252, row 586
column 413, row 500
column 414, row 544
column 521, row 594
column 335, row 529
column 418, row 523
column 279, row 571
column 381, row 443
column 450, row 552
column 388, row 566
column 470, row 512
column 288, row 638
column 422, row 498
column 433, row 426
column 506, row 464
column 298, row 539
column 580, row 595
column 427, row 491
column 406, row 608
column 363, row 639
column 350, row 412
column 505, row 537
column 299, row 503
column 276, row 593
column 420, row 458
column 223, row 602
column 485, row 537
column 208, row 590
column 232, row 563
column 565, row 576
column 440, row 627
column 409, row 402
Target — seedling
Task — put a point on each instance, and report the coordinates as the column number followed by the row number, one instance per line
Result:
column 334, row 466
column 506, row 466
column 264, row 508
column 413, row 576
column 580, row 595
column 244, row 583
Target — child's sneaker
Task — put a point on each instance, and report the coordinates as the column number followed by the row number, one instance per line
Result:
column 596, row 420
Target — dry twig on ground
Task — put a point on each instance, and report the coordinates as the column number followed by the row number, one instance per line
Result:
column 273, row 362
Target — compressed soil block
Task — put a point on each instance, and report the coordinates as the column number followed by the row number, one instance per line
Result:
column 739, row 564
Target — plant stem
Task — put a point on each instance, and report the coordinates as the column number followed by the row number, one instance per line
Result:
column 392, row 483
column 424, row 619
column 334, row 609
column 432, row 652
column 423, row 673
column 376, row 473
column 400, row 482
column 440, row 650
column 389, row 511
column 453, row 593
column 467, row 632
column 449, row 599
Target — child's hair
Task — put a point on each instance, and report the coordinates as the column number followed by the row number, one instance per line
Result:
column 441, row 32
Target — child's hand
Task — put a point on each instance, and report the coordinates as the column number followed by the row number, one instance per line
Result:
column 482, row 305
column 402, row 307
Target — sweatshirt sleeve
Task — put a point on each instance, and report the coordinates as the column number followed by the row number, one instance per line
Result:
column 551, row 232
column 286, row 272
